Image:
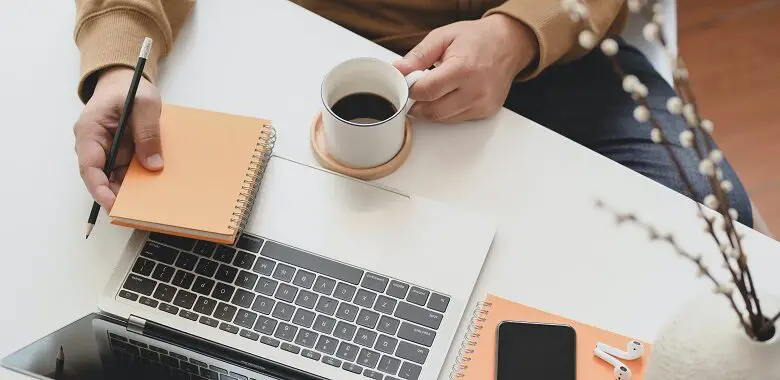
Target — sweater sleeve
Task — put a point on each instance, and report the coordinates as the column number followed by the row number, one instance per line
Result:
column 110, row 32
column 556, row 32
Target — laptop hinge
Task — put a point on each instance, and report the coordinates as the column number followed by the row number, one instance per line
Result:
column 136, row 324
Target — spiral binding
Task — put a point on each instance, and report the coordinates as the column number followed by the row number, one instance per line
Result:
column 254, row 175
column 470, row 339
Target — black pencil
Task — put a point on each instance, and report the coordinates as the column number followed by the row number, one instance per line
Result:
column 123, row 117
column 60, row 367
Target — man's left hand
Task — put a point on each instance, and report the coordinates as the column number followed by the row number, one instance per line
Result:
column 477, row 62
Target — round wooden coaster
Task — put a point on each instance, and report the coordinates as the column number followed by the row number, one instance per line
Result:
column 317, row 138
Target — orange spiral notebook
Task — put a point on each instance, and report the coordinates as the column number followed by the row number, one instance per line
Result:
column 477, row 355
column 213, row 165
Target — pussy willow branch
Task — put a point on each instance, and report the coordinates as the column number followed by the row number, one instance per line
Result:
column 669, row 239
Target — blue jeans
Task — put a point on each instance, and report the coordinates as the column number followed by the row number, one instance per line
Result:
column 584, row 101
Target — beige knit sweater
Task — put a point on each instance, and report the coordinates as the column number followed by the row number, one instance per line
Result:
column 109, row 32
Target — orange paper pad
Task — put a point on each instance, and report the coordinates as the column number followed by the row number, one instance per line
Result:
column 209, row 158
column 589, row 367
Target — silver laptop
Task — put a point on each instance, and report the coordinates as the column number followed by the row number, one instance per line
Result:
column 332, row 278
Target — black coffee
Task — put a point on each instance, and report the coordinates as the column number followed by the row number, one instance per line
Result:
column 364, row 108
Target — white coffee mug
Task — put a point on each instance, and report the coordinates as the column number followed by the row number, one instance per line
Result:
column 366, row 142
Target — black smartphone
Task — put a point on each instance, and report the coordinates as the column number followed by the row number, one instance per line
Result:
column 536, row 351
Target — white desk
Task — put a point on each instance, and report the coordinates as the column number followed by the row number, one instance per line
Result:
column 554, row 250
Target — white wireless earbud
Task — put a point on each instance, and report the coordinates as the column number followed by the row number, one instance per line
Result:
column 621, row 370
column 634, row 350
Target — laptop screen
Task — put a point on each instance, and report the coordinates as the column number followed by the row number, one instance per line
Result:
column 96, row 347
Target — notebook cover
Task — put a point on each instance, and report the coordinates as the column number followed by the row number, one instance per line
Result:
column 207, row 156
column 482, row 363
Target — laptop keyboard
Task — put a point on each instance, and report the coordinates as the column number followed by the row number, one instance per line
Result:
column 299, row 302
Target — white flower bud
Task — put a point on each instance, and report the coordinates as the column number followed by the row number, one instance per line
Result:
column 689, row 113
column 641, row 114
column 707, row 167
column 658, row 18
column 716, row 156
column 609, row 47
column 707, row 125
column 658, row 8
column 651, row 32
column 681, row 73
column 640, row 91
column 630, row 82
column 655, row 135
column 711, row 202
column 674, row 105
column 587, row 39
column 686, row 138
column 734, row 213
column 634, row 6
column 727, row 186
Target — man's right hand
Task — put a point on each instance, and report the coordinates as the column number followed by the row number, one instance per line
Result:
column 99, row 121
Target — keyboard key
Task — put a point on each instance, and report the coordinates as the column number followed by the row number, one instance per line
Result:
column 229, row 328
column 238, row 376
column 225, row 254
column 372, row 374
column 417, row 296
column 265, row 325
column 368, row 358
column 159, row 252
column 206, row 267
column 249, row 243
column 286, row 332
column 324, row 285
column 324, row 324
column 416, row 334
column 185, row 299
column 289, row 347
column 331, row 361
column 186, row 261
column 347, row 312
column 143, row 266
column 164, row 292
column 204, row 248
column 183, row 279
column 345, row 330
column 438, row 302
column 264, row 266
column 178, row 356
column 244, row 260
column 368, row 318
column 246, row 279
column 374, row 282
column 304, row 279
column 303, row 318
column 226, row 273
column 199, row 363
column 225, row 312
column 266, row 286
column 263, row 305
column 208, row 321
column 129, row 295
column 347, row 351
column 149, row 354
column 326, row 305
column 209, row 374
column 243, row 298
column 245, row 318
column 311, row 354
column 269, row 341
column 386, row 344
column 411, row 352
column 365, row 337
column 312, row 262
column 327, row 344
column 345, row 292
column 306, row 299
column 397, row 289
column 286, row 292
column 223, row 292
column 189, row 315
column 389, row 364
column 306, row 338
column 249, row 334
column 189, row 367
column 139, row 344
column 220, row 370
column 385, row 304
column 203, row 285
column 174, row 241
column 163, row 273
column 409, row 371
column 148, row 302
column 140, row 284
column 169, row 361
column 205, row 305
column 284, row 272
column 158, row 349
column 283, row 311
column 418, row 315
column 352, row 368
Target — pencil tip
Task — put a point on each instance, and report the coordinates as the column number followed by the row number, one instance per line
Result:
column 89, row 229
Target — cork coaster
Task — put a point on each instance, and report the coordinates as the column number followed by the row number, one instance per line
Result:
column 317, row 138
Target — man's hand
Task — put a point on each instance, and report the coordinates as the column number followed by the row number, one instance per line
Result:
column 99, row 121
column 478, row 61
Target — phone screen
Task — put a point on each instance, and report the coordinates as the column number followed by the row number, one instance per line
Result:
column 536, row 351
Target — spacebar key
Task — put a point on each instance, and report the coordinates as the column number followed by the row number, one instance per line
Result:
column 311, row 262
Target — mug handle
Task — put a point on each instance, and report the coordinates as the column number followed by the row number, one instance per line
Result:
column 411, row 79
